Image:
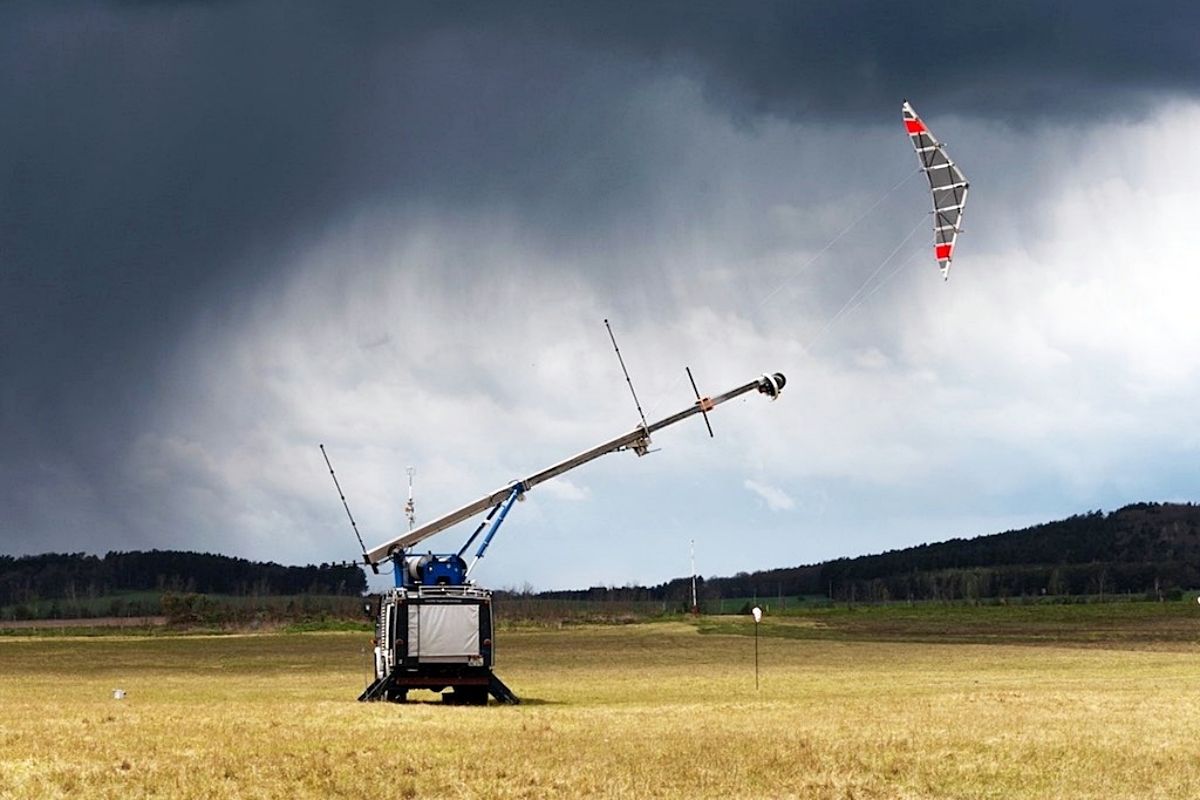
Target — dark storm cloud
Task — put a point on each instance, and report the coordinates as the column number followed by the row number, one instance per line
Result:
column 854, row 60
column 157, row 158
column 160, row 159
column 849, row 60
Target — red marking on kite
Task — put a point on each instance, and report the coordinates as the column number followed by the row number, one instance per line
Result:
column 942, row 252
column 914, row 126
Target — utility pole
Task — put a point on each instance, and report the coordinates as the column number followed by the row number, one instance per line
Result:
column 695, row 605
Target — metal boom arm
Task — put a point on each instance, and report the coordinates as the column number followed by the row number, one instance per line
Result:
column 637, row 439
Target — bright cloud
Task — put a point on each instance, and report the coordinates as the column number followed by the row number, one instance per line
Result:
column 775, row 498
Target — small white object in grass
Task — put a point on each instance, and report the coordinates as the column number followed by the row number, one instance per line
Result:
column 757, row 612
column 1198, row 598
column 118, row 694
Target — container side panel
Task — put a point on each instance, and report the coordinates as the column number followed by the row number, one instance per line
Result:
column 448, row 630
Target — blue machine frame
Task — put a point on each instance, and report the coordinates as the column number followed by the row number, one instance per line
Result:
column 443, row 569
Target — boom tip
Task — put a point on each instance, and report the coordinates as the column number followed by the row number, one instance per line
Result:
column 772, row 384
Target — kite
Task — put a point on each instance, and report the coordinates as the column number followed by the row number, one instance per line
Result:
column 946, row 182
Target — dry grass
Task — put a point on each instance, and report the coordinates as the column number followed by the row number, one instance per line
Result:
column 633, row 711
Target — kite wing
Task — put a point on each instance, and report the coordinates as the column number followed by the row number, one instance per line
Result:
column 947, row 184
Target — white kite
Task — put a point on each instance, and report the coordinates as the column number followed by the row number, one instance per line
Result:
column 946, row 182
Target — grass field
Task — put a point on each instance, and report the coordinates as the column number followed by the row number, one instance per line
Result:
column 1096, row 705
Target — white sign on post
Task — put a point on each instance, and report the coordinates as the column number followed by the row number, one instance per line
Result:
column 757, row 612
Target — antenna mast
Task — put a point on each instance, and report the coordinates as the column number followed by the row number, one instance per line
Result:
column 410, row 510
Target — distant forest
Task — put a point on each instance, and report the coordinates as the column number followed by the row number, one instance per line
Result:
column 1150, row 549
column 78, row 576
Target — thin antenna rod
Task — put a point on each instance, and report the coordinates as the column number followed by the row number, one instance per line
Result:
column 344, row 503
column 410, row 509
column 631, row 391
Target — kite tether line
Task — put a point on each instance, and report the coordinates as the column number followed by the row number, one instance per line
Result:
column 813, row 259
column 837, row 238
column 859, row 294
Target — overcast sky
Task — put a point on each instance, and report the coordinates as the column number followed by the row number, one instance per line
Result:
column 231, row 231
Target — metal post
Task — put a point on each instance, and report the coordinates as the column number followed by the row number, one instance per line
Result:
column 757, row 612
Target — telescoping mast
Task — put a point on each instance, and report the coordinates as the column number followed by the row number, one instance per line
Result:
column 434, row 629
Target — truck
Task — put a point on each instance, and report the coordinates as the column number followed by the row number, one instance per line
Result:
column 434, row 629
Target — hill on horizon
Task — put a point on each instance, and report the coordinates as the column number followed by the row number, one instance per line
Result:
column 1150, row 549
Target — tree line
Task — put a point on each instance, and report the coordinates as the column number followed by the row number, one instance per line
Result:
column 1145, row 548
column 77, row 576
